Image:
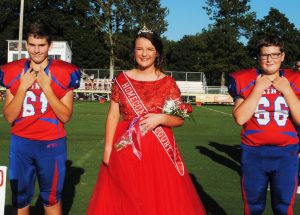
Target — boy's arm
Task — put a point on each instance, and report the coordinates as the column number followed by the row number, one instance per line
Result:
column 245, row 108
column 62, row 108
column 14, row 103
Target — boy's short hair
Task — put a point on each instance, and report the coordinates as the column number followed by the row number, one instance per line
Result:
column 39, row 29
column 269, row 41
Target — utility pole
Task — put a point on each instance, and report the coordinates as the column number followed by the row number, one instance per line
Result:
column 21, row 30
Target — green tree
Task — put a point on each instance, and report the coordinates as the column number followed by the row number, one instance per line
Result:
column 225, row 55
column 9, row 25
column 117, row 18
column 70, row 21
column 277, row 24
column 210, row 52
column 232, row 17
column 233, row 22
column 186, row 54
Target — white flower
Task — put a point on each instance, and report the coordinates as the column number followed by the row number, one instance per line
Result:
column 174, row 107
column 170, row 106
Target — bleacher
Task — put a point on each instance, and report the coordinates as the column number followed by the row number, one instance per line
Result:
column 191, row 87
column 104, row 86
column 95, row 85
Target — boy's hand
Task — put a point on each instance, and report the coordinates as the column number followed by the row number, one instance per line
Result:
column 27, row 79
column 282, row 85
column 43, row 79
column 262, row 83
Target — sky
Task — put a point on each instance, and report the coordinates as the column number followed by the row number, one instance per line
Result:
column 188, row 17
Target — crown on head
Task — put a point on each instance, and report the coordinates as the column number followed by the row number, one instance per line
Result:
column 145, row 30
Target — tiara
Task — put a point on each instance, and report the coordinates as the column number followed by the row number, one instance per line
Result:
column 145, row 30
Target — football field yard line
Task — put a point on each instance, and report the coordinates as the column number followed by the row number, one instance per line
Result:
column 85, row 157
column 228, row 114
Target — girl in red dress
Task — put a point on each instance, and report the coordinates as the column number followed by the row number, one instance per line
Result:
column 142, row 172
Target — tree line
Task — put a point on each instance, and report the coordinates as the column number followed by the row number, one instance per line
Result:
column 100, row 33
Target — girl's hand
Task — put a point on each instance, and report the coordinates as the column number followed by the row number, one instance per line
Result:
column 150, row 121
column 106, row 153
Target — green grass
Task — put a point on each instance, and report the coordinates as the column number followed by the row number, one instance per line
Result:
column 210, row 148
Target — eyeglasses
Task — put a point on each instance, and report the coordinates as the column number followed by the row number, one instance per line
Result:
column 272, row 55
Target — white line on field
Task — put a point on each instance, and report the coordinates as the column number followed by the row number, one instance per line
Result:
column 228, row 114
column 86, row 156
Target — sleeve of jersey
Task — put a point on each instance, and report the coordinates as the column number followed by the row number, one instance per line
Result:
column 296, row 85
column 74, row 79
column 232, row 87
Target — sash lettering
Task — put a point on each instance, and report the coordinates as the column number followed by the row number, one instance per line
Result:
column 133, row 98
column 139, row 108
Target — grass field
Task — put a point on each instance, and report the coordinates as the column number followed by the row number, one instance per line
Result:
column 210, row 148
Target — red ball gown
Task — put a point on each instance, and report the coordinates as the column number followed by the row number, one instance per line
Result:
column 153, row 184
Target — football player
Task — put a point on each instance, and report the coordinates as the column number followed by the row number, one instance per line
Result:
column 39, row 99
column 267, row 107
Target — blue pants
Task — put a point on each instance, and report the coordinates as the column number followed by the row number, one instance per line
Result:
column 274, row 165
column 31, row 159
